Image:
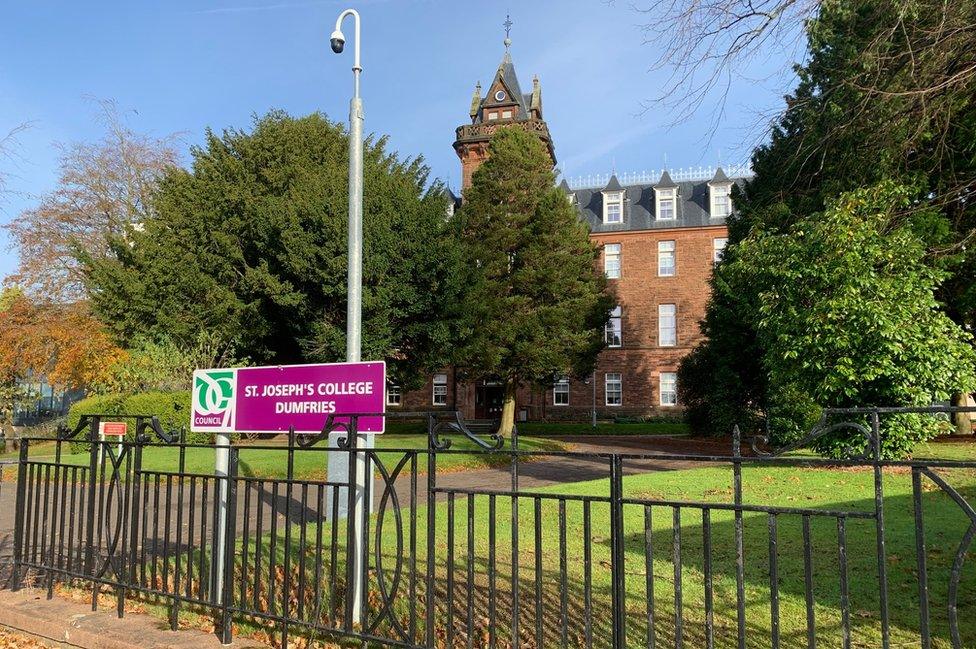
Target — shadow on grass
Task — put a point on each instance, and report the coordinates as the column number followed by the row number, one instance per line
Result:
column 564, row 576
column 945, row 525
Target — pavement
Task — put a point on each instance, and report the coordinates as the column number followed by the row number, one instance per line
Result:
column 62, row 622
column 68, row 623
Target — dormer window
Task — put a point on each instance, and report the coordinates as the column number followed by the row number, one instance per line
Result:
column 666, row 203
column 613, row 207
column 666, row 198
column 719, row 193
column 492, row 115
column 613, row 201
column 721, row 201
column 570, row 195
column 506, row 114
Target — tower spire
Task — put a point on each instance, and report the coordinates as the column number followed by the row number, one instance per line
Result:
column 503, row 104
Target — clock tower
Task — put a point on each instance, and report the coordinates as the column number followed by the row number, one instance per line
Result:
column 504, row 104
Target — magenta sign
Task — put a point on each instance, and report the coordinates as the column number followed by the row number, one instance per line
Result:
column 275, row 398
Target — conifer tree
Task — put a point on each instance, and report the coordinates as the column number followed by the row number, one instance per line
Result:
column 249, row 246
column 881, row 99
column 536, row 303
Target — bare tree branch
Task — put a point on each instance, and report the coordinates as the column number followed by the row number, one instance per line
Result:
column 708, row 45
column 900, row 91
column 9, row 152
column 104, row 188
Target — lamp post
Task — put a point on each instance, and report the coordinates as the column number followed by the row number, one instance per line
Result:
column 354, row 315
column 354, row 306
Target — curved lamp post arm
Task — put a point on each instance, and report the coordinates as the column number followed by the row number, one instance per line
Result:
column 356, row 67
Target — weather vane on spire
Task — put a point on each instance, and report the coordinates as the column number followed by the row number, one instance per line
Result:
column 508, row 29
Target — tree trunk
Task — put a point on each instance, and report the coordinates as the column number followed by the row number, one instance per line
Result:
column 507, row 423
column 964, row 420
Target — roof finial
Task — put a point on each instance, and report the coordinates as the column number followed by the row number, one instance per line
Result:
column 508, row 29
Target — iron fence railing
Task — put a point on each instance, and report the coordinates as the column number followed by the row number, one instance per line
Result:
column 618, row 560
column 8, row 468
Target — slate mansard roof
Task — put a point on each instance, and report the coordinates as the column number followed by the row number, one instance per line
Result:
column 639, row 206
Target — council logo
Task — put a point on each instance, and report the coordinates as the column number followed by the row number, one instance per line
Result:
column 213, row 391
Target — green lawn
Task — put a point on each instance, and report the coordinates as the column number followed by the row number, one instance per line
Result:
column 272, row 462
column 563, row 577
column 405, row 430
column 783, row 486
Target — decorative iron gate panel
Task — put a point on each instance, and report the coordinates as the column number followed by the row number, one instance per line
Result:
column 609, row 562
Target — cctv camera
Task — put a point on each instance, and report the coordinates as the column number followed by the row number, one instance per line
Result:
column 338, row 41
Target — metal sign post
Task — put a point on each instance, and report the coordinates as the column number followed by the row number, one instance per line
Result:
column 296, row 398
column 221, row 470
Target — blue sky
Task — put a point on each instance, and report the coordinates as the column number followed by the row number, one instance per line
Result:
column 181, row 66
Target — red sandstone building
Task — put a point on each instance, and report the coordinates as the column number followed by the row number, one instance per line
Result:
column 659, row 239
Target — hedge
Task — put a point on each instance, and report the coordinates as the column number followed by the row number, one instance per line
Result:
column 172, row 409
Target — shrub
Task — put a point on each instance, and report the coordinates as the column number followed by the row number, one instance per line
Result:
column 897, row 431
column 109, row 404
column 172, row 408
column 163, row 365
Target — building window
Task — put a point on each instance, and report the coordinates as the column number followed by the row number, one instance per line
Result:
column 667, row 335
column 718, row 249
column 665, row 258
column 492, row 115
column 614, row 388
column 393, row 395
column 506, row 114
column 440, row 390
column 721, row 201
column 669, row 389
column 611, row 260
column 560, row 392
column 613, row 330
column 665, row 204
column 613, row 207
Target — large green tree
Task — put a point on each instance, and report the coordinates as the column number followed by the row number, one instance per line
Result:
column 846, row 315
column 250, row 244
column 886, row 95
column 536, row 303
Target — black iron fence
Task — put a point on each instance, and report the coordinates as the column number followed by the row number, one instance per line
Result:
column 615, row 554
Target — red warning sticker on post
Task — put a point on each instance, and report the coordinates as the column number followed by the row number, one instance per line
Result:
column 112, row 428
